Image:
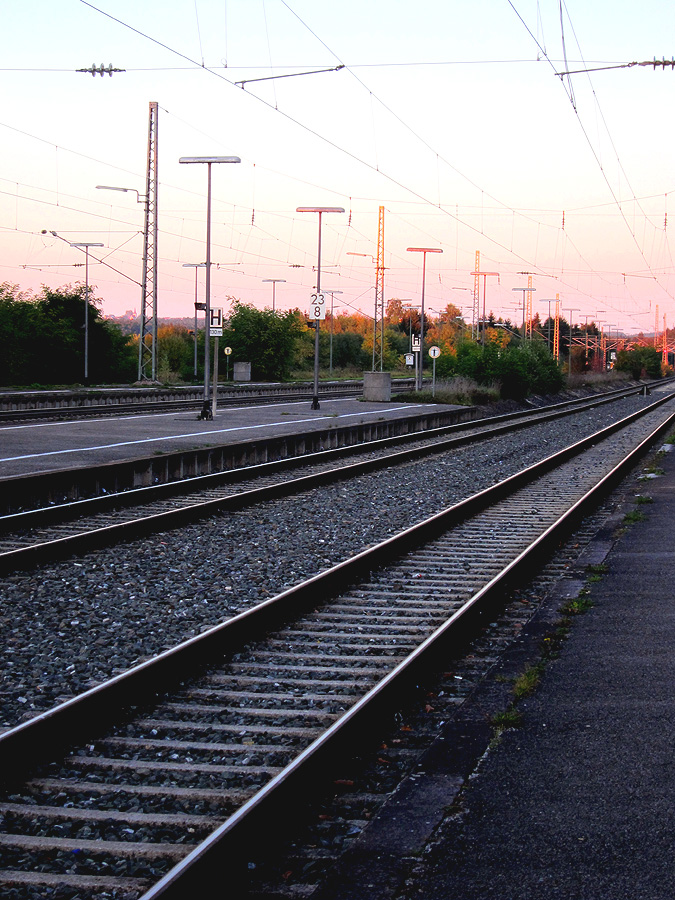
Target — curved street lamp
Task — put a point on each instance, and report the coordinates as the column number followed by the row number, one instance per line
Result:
column 206, row 412
column 320, row 210
column 424, row 251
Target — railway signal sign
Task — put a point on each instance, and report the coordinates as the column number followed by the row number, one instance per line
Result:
column 216, row 328
column 434, row 352
column 318, row 305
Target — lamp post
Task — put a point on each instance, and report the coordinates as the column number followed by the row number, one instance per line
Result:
column 569, row 364
column 548, row 300
column 525, row 290
column 206, row 412
column 320, row 210
column 274, row 282
column 86, row 245
column 485, row 275
column 145, row 200
column 195, row 266
column 368, row 256
column 330, row 358
column 423, row 251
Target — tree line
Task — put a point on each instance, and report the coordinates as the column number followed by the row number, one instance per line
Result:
column 42, row 343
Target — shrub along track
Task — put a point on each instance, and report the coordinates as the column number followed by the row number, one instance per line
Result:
column 161, row 767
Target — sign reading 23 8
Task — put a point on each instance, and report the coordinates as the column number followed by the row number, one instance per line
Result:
column 318, row 307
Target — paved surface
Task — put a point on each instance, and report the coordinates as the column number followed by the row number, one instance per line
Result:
column 41, row 447
column 579, row 802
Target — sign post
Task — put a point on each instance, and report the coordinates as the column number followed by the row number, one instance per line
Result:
column 434, row 353
column 216, row 330
column 227, row 352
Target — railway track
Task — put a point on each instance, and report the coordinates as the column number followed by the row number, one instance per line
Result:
column 117, row 407
column 33, row 536
column 152, row 782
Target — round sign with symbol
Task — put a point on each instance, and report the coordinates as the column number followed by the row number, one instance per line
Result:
column 434, row 352
column 227, row 351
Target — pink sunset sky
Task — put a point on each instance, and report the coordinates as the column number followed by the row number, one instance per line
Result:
column 448, row 114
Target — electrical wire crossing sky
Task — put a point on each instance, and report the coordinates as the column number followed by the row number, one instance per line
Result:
column 458, row 119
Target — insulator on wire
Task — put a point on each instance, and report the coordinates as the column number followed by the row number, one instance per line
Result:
column 101, row 70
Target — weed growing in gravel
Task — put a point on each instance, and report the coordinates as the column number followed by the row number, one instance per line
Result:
column 653, row 469
column 528, row 682
column 578, row 606
column 635, row 515
column 501, row 722
column 643, row 499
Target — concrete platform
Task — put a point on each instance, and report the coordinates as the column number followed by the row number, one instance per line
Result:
column 579, row 802
column 41, row 447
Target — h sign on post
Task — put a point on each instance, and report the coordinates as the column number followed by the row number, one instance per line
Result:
column 318, row 310
column 216, row 327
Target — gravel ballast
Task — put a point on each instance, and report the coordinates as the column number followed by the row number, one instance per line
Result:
column 67, row 626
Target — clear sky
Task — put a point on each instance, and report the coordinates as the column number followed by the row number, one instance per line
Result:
column 448, row 113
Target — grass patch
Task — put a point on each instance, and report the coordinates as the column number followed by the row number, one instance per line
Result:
column 643, row 499
column 653, row 469
column 635, row 515
column 528, row 682
column 578, row 606
column 458, row 391
column 510, row 718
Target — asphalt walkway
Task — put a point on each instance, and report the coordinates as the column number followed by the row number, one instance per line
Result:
column 579, row 802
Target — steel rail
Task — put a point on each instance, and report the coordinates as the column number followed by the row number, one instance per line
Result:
column 21, row 745
column 122, row 409
column 60, row 725
column 97, row 536
column 258, row 817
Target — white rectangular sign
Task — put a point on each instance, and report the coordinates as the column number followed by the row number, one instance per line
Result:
column 216, row 332
column 318, row 307
column 216, row 318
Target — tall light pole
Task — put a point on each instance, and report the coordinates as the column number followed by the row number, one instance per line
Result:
column 86, row 245
column 144, row 199
column 548, row 300
column 485, row 275
column 206, row 412
column 195, row 266
column 274, row 282
column 423, row 251
column 369, row 256
column 525, row 290
column 569, row 364
column 330, row 363
column 320, row 210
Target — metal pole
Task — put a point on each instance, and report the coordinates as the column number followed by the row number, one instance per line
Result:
column 215, row 377
column 206, row 412
column 421, row 366
column 330, row 363
column 482, row 337
column 195, row 334
column 86, row 315
column 315, row 397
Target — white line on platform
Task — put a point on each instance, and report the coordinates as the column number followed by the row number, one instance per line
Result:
column 159, row 415
column 194, row 434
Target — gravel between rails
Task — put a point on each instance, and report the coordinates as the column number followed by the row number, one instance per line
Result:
column 67, row 626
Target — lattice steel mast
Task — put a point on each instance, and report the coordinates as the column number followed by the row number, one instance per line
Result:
column 147, row 355
column 379, row 290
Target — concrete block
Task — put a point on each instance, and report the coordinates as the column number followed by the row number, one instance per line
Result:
column 377, row 386
column 242, row 371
